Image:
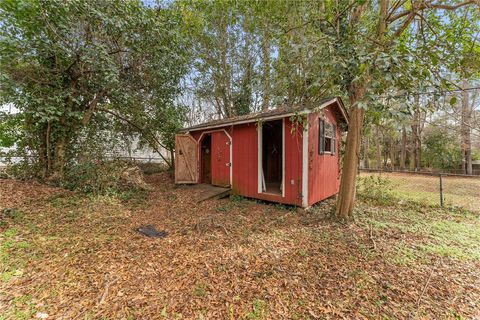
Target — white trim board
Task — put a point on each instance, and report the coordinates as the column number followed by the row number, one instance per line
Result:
column 283, row 158
column 259, row 158
column 305, row 156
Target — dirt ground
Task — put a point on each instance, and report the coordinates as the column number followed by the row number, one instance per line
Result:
column 70, row 256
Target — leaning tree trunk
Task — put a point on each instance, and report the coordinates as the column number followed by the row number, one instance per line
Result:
column 346, row 195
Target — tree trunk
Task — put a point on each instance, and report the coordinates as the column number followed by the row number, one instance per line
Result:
column 59, row 159
column 172, row 159
column 378, row 149
column 403, row 149
column 392, row 153
column 346, row 195
column 266, row 69
column 465, row 126
column 417, row 143
column 366, row 147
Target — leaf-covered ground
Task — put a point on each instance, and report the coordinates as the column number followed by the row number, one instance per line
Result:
column 69, row 256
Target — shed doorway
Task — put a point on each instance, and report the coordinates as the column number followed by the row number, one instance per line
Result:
column 206, row 159
column 272, row 157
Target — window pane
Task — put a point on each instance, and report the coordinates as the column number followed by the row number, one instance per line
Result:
column 328, row 144
column 328, row 130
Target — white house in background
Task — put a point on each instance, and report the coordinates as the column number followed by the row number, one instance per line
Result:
column 128, row 150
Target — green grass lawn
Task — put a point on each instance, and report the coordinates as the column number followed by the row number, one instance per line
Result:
column 457, row 191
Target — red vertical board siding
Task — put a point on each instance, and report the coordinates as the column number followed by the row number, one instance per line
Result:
column 323, row 169
column 293, row 162
column 220, row 158
column 245, row 161
column 245, row 164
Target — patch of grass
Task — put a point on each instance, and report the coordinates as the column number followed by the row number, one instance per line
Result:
column 237, row 198
column 444, row 232
column 22, row 308
column 224, row 208
column 403, row 256
column 13, row 254
column 62, row 201
column 133, row 196
column 201, row 289
column 259, row 310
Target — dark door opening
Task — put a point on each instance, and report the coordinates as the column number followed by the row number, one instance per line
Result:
column 206, row 159
column 272, row 156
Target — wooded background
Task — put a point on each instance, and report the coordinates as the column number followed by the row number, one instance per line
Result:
column 85, row 75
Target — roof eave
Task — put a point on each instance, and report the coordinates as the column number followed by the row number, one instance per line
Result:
column 273, row 117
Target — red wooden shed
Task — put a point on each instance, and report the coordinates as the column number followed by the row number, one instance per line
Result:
column 285, row 155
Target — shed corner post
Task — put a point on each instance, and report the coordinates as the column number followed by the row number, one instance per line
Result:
column 305, row 133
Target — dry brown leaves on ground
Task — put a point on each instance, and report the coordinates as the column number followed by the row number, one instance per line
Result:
column 68, row 256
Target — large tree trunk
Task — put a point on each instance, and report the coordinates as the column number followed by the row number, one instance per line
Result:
column 465, row 127
column 403, row 149
column 346, row 195
column 58, row 171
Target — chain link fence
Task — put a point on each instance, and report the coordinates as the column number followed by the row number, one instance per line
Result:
column 443, row 189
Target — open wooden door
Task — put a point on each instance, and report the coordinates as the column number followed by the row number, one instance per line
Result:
column 186, row 159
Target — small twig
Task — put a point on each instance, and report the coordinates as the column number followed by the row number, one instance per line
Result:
column 417, row 304
column 371, row 237
column 223, row 227
column 105, row 292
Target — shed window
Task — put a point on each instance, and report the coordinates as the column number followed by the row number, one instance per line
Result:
column 326, row 137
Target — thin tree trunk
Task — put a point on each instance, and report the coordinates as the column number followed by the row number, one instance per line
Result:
column 266, row 68
column 466, row 144
column 417, row 146
column 378, row 149
column 48, row 167
column 403, row 149
column 392, row 153
column 172, row 159
column 366, row 147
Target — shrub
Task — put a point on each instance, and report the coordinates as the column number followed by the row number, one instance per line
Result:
column 376, row 188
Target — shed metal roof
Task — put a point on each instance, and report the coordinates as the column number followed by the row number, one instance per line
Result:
column 279, row 112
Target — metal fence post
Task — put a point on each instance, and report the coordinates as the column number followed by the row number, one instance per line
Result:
column 441, row 190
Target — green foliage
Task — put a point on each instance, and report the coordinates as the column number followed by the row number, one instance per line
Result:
column 375, row 188
column 10, row 129
column 73, row 66
column 441, row 149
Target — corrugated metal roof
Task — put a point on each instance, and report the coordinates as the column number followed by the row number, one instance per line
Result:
column 278, row 112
